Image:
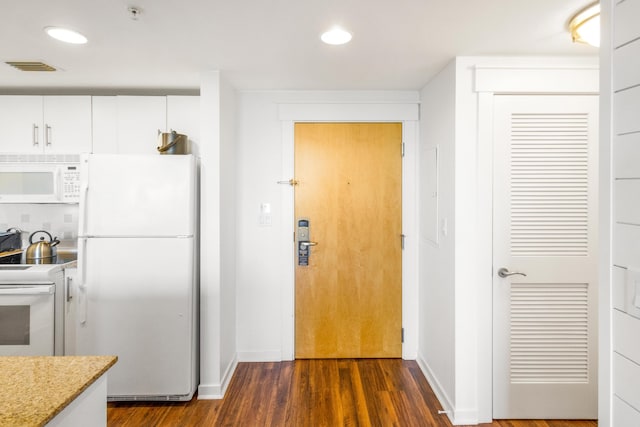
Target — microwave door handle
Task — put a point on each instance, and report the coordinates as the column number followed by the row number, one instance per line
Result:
column 28, row 290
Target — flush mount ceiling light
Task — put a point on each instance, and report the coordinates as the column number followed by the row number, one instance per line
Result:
column 585, row 26
column 65, row 35
column 336, row 36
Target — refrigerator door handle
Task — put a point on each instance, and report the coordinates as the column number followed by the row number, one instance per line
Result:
column 84, row 194
column 82, row 288
column 82, row 304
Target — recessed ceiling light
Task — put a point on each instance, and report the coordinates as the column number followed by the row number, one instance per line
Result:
column 336, row 36
column 66, row 35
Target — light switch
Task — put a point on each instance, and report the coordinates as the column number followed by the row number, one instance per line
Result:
column 264, row 219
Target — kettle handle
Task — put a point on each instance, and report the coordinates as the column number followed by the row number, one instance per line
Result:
column 171, row 144
column 51, row 239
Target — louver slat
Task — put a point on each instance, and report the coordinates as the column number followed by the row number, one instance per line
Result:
column 548, row 333
column 548, row 184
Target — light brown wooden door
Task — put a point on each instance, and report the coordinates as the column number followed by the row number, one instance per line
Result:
column 349, row 296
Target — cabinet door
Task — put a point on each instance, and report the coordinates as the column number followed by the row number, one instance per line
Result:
column 21, row 124
column 139, row 120
column 105, row 124
column 183, row 116
column 67, row 124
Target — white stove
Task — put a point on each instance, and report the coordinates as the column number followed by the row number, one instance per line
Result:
column 32, row 300
column 29, row 273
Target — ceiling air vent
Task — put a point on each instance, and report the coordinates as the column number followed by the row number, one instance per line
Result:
column 30, row 66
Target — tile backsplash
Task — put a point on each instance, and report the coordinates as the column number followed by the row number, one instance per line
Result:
column 60, row 220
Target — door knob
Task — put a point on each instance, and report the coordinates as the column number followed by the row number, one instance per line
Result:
column 504, row 272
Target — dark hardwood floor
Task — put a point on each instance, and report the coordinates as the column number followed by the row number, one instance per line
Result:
column 332, row 393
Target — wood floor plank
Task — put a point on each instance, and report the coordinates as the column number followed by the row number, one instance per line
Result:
column 281, row 401
column 312, row 393
column 352, row 395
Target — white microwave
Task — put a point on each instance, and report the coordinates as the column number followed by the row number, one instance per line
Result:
column 39, row 182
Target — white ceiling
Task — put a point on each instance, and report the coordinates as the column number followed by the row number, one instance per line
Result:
column 272, row 44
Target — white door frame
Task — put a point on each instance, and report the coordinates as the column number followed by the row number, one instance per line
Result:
column 492, row 77
column 408, row 114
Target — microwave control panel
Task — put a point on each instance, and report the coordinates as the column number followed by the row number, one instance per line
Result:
column 71, row 184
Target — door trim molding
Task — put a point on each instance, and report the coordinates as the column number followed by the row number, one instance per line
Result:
column 573, row 77
column 408, row 115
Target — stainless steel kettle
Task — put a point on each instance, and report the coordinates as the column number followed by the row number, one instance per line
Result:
column 42, row 251
column 173, row 143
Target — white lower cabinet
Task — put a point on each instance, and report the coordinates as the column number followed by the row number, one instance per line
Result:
column 88, row 409
column 70, row 310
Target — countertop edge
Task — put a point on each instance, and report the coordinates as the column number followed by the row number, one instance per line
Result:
column 112, row 361
column 36, row 389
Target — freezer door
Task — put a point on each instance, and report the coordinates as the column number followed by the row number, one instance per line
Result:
column 137, row 195
column 137, row 301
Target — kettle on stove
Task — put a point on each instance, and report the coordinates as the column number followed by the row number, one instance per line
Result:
column 42, row 251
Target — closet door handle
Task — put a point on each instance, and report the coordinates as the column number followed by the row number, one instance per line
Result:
column 504, row 272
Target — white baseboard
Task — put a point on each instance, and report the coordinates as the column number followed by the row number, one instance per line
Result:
column 260, row 356
column 217, row 391
column 456, row 416
column 209, row 392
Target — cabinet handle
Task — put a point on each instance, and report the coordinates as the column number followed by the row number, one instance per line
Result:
column 68, row 290
column 47, row 136
column 35, row 135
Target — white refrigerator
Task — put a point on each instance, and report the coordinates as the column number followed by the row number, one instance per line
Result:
column 137, row 296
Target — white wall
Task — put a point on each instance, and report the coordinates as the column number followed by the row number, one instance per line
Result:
column 258, row 269
column 228, row 288
column 604, row 263
column 264, row 263
column 621, row 58
column 436, row 351
column 217, row 236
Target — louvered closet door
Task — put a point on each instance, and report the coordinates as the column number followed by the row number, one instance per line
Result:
column 545, row 207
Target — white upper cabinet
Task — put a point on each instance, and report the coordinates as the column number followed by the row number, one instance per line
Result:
column 21, row 124
column 67, row 124
column 130, row 124
column 183, row 116
column 139, row 120
column 105, row 124
column 45, row 124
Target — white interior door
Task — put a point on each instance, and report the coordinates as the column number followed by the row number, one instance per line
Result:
column 545, row 206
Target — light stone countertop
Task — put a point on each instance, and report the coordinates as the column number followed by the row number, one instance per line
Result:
column 33, row 390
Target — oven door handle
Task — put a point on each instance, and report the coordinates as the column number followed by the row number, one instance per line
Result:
column 28, row 290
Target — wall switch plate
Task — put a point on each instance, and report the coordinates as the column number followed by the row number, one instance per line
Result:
column 264, row 219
